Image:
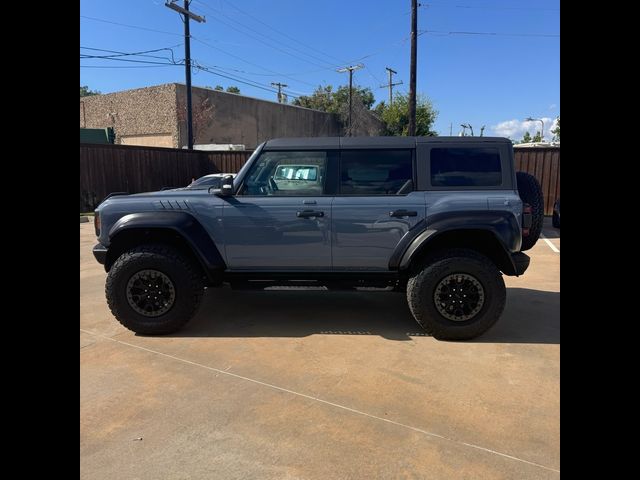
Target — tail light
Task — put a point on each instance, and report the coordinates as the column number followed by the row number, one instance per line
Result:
column 96, row 223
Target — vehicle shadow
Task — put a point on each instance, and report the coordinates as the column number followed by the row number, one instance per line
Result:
column 531, row 316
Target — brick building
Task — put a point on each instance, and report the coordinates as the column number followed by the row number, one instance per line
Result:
column 156, row 116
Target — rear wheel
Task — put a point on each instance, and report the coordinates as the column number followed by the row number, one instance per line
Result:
column 555, row 220
column 154, row 289
column 458, row 295
column 530, row 192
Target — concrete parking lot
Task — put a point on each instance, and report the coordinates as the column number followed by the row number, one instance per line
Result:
column 322, row 385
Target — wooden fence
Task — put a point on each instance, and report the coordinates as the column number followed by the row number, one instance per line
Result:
column 544, row 163
column 127, row 168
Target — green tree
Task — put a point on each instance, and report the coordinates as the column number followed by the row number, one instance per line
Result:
column 556, row 131
column 328, row 100
column 219, row 88
column 85, row 92
column 396, row 116
column 233, row 89
column 537, row 137
column 526, row 138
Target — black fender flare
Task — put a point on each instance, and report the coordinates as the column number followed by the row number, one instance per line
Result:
column 502, row 225
column 184, row 224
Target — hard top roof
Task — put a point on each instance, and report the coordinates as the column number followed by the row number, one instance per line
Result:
column 370, row 142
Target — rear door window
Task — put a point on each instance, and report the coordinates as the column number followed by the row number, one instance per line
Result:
column 375, row 172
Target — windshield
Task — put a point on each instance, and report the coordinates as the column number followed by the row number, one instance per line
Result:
column 244, row 168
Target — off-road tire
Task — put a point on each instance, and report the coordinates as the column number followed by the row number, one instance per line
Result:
column 185, row 276
column 423, row 283
column 530, row 192
column 555, row 220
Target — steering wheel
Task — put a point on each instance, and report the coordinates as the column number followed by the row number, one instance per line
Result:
column 273, row 185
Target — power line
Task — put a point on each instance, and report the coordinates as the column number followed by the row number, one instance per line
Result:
column 131, row 26
column 421, row 32
column 131, row 66
column 330, row 66
column 204, row 43
column 124, row 54
column 196, row 65
column 250, row 83
column 132, row 61
column 284, row 34
column 250, row 63
column 488, row 7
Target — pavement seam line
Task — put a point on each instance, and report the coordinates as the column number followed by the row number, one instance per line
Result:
column 551, row 245
column 343, row 407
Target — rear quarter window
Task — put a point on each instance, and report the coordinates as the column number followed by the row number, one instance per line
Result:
column 465, row 167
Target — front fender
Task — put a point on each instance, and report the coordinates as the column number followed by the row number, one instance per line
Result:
column 187, row 226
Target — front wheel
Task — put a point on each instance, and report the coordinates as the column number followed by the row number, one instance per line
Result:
column 154, row 289
column 458, row 295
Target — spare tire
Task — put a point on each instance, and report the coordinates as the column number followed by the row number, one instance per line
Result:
column 530, row 192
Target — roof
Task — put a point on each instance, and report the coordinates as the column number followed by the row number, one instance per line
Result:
column 367, row 142
column 538, row 145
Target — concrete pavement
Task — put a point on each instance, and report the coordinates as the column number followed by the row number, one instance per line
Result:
column 318, row 385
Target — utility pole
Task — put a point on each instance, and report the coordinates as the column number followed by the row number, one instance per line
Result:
column 412, row 77
column 187, row 60
column 350, row 69
column 390, row 85
column 280, row 87
column 450, row 128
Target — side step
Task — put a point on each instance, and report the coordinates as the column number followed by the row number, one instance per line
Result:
column 313, row 285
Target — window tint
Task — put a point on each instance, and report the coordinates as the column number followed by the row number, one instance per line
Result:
column 287, row 173
column 375, row 172
column 465, row 167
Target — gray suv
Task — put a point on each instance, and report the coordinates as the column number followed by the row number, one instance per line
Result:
column 439, row 218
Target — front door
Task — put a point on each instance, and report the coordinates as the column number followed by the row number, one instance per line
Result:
column 374, row 207
column 280, row 218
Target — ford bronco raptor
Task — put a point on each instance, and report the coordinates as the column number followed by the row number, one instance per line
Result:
column 438, row 218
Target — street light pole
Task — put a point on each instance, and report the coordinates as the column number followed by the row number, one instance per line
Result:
column 350, row 69
column 530, row 119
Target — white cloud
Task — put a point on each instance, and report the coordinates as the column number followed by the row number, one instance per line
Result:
column 515, row 129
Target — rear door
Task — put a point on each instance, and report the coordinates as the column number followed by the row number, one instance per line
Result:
column 375, row 205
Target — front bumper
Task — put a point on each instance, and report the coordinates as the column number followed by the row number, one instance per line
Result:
column 100, row 252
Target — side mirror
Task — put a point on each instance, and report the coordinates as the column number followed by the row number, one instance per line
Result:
column 226, row 187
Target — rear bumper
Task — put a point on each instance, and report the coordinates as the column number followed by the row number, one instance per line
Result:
column 520, row 262
column 100, row 252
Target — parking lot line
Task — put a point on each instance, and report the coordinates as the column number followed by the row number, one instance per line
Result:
column 548, row 242
column 343, row 407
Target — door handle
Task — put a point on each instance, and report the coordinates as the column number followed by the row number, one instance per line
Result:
column 309, row 214
column 403, row 213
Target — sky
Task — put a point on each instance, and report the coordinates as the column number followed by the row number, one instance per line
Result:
column 505, row 69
